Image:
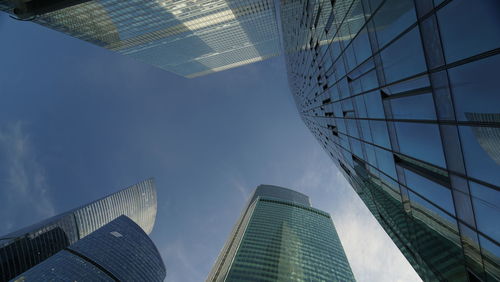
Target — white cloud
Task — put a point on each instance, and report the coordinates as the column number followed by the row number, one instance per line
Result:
column 24, row 187
column 371, row 253
column 180, row 266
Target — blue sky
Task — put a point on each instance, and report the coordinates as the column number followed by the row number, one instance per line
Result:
column 78, row 122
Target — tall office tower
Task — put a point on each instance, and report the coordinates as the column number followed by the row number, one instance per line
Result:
column 403, row 95
column 31, row 245
column 280, row 237
column 118, row 251
column 189, row 38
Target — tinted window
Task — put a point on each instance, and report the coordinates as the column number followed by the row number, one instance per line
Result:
column 481, row 147
column 404, row 57
column 434, row 192
column 475, row 87
column 487, row 208
column 421, row 141
column 478, row 24
column 413, row 107
column 393, row 18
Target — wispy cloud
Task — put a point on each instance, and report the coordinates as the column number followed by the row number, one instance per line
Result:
column 24, row 188
column 177, row 259
column 371, row 253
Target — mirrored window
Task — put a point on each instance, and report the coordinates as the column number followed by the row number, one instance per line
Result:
column 404, row 57
column 486, row 203
column 421, row 141
column 479, row 23
column 481, row 149
column 475, row 89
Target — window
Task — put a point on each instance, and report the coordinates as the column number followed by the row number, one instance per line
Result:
column 431, row 190
column 393, row 18
column 475, row 87
column 413, row 107
column 481, row 148
column 426, row 145
column 486, row 203
column 404, row 57
column 479, row 23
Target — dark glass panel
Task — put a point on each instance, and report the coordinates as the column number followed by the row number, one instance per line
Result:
column 404, row 57
column 421, row 141
column 413, row 107
column 487, row 207
column 393, row 18
column 475, row 89
column 481, row 149
column 431, row 190
column 478, row 22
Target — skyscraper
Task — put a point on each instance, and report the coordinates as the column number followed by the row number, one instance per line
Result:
column 31, row 245
column 189, row 38
column 118, row 251
column 280, row 237
column 403, row 96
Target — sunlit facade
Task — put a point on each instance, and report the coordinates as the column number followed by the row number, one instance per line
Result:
column 280, row 237
column 118, row 251
column 403, row 95
column 189, row 38
column 29, row 246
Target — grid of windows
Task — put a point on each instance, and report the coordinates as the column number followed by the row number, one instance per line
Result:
column 402, row 95
column 289, row 242
column 104, row 256
column 280, row 237
column 189, row 38
column 29, row 246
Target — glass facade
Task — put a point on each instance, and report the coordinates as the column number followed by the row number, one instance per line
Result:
column 31, row 245
column 118, row 251
column 189, row 38
column 280, row 237
column 403, row 96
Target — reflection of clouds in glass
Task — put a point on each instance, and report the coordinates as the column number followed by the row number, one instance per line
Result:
column 487, row 137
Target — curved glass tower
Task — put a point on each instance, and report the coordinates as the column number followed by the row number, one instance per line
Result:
column 403, row 96
column 189, row 38
column 118, row 251
column 29, row 246
column 280, row 237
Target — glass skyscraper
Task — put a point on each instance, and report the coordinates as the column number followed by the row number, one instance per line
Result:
column 189, row 38
column 118, row 251
column 31, row 245
column 280, row 237
column 403, row 96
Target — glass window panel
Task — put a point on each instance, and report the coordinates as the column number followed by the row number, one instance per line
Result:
column 386, row 162
column 481, row 148
column 432, row 191
column 479, row 22
column 475, row 89
column 407, row 85
column 375, row 108
column 393, row 18
column 491, row 255
column 379, row 133
column 362, row 47
column 356, row 147
column 369, row 81
column 421, row 141
column 404, row 57
column 413, row 107
column 487, row 209
column 432, row 211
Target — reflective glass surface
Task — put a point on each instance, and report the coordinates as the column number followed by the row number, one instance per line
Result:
column 189, row 38
column 403, row 97
column 118, row 251
column 31, row 245
column 280, row 237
